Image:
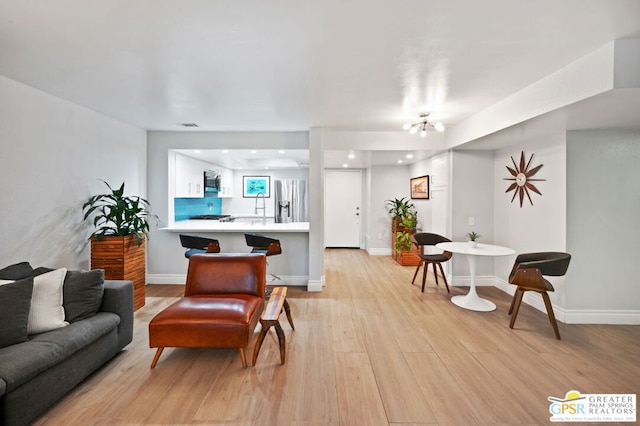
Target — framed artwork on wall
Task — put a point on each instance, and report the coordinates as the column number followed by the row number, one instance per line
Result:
column 252, row 186
column 420, row 187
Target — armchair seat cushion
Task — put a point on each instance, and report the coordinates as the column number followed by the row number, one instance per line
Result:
column 222, row 320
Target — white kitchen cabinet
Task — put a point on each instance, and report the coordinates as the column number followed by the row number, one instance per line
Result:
column 189, row 174
column 226, row 182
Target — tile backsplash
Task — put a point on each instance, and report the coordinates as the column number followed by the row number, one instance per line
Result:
column 185, row 208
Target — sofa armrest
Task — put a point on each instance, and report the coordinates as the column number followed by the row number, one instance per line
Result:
column 118, row 298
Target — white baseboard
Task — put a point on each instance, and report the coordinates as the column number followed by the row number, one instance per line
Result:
column 315, row 285
column 288, row 280
column 465, row 280
column 575, row 316
column 166, row 278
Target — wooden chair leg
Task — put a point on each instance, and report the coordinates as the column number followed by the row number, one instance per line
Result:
column 443, row 277
column 416, row 273
column 424, row 275
column 156, row 357
column 435, row 273
column 243, row 358
column 258, row 345
column 513, row 301
column 281, row 341
column 287, row 311
column 519, row 294
column 552, row 317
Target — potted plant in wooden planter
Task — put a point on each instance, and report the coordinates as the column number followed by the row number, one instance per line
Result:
column 118, row 242
column 404, row 220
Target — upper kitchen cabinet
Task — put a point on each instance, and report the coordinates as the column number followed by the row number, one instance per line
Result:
column 226, row 182
column 189, row 174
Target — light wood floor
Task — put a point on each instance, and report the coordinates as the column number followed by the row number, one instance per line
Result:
column 369, row 350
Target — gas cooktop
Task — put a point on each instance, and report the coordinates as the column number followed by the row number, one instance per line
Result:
column 211, row 216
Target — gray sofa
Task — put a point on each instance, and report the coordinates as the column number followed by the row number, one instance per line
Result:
column 36, row 373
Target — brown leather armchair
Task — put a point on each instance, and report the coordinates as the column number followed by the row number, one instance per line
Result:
column 223, row 301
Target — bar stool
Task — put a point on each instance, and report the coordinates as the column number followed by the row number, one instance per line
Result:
column 265, row 245
column 197, row 245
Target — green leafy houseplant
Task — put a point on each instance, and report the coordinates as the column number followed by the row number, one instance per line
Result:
column 400, row 208
column 117, row 215
column 403, row 238
column 405, row 219
column 473, row 236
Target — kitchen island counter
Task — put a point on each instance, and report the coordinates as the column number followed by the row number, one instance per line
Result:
column 254, row 225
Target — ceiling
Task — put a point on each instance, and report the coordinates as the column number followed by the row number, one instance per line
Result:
column 284, row 65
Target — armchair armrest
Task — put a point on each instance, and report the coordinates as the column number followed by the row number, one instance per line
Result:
column 118, row 299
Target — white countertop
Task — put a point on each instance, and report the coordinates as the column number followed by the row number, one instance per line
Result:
column 253, row 225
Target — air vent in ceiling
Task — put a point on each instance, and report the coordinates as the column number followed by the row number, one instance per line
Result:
column 188, row 124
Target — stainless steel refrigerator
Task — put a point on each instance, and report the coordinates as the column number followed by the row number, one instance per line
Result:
column 291, row 201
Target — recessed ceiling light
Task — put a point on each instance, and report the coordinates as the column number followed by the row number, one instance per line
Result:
column 253, row 151
column 197, row 151
column 352, row 156
column 399, row 161
column 281, row 151
column 225, row 151
column 345, row 165
column 188, row 124
column 409, row 156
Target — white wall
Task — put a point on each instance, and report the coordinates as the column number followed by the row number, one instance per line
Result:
column 537, row 227
column 471, row 186
column 387, row 182
column 53, row 152
column 423, row 207
column 603, row 231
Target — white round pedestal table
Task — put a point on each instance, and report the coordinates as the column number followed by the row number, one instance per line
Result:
column 471, row 300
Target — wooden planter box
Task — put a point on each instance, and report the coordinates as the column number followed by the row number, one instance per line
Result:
column 122, row 259
column 404, row 258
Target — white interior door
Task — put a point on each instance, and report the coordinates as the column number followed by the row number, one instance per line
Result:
column 440, row 211
column 342, row 208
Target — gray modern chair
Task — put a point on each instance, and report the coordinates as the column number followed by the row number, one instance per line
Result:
column 528, row 275
column 424, row 239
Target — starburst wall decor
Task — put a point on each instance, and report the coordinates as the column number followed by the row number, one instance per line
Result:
column 522, row 178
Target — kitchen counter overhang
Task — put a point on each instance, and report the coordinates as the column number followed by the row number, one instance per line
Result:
column 238, row 226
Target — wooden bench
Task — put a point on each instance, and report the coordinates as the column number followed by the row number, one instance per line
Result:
column 270, row 317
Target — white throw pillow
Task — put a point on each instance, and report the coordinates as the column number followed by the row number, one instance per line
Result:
column 46, row 311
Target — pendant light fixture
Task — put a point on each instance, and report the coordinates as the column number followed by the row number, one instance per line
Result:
column 423, row 125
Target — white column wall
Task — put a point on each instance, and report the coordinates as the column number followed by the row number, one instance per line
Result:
column 603, row 230
column 537, row 227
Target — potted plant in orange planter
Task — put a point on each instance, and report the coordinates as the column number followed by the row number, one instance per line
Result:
column 118, row 242
column 404, row 220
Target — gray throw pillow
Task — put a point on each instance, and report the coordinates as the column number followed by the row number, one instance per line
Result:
column 15, row 302
column 82, row 294
column 16, row 272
